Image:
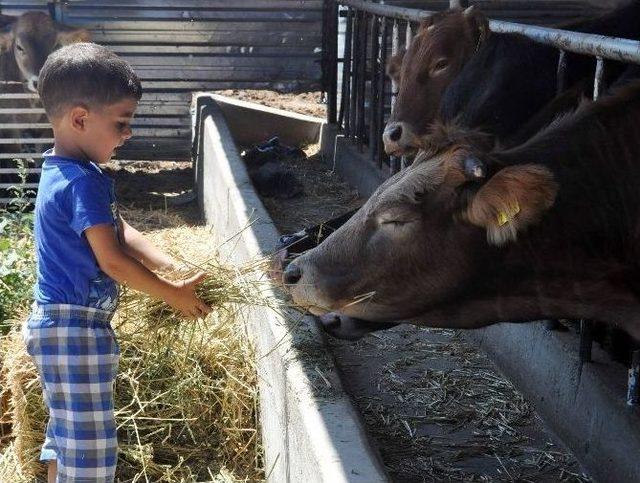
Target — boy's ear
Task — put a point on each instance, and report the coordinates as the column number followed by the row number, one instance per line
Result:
column 71, row 35
column 78, row 117
column 513, row 199
column 394, row 64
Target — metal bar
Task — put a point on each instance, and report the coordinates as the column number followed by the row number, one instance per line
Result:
column 18, row 95
column 343, row 117
column 332, row 61
column 18, row 185
column 373, row 89
column 21, row 170
column 20, row 156
column 382, row 91
column 633, row 385
column 26, row 140
column 21, row 110
column 586, row 340
column 408, row 36
column 561, row 72
column 355, row 73
column 25, row 125
column 588, row 44
column 597, row 79
column 362, row 81
column 395, row 47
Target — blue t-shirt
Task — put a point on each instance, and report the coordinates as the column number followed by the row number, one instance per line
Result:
column 72, row 196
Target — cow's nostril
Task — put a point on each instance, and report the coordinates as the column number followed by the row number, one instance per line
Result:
column 292, row 274
column 396, row 133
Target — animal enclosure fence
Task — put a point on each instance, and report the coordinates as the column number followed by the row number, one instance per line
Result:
column 360, row 97
column 176, row 48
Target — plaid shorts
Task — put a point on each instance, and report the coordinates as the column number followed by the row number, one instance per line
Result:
column 76, row 353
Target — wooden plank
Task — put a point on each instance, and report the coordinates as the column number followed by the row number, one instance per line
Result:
column 26, row 140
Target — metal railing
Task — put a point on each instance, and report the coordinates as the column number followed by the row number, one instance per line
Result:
column 360, row 104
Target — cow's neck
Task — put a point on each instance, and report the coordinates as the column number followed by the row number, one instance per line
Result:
column 533, row 299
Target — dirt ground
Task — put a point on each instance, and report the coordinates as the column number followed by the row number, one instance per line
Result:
column 309, row 103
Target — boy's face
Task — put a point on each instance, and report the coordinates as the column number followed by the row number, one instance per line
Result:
column 105, row 128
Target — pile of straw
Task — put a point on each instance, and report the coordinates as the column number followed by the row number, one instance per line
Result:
column 186, row 393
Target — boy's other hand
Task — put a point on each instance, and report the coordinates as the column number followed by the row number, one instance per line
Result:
column 184, row 299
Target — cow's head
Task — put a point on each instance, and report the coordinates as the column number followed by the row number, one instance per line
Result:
column 422, row 238
column 437, row 53
column 31, row 37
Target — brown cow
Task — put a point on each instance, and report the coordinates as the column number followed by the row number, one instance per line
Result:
column 466, row 238
column 27, row 41
column 456, row 69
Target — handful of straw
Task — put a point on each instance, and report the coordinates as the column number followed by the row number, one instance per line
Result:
column 223, row 290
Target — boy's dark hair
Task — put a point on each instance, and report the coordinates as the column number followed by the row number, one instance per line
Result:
column 88, row 74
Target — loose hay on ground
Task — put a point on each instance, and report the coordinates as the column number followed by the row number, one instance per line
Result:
column 186, row 393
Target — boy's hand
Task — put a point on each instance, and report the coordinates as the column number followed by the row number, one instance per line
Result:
column 183, row 297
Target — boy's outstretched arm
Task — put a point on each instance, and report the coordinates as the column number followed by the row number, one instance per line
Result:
column 137, row 246
column 115, row 262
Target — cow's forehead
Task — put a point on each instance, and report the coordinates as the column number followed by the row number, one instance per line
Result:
column 34, row 25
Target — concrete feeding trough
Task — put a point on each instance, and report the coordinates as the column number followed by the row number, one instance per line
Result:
column 310, row 429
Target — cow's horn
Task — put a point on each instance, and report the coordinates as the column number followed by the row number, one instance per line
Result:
column 458, row 3
column 468, row 11
column 474, row 168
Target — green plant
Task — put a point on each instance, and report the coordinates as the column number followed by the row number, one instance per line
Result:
column 17, row 258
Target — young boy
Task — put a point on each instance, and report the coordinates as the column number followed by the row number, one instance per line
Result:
column 84, row 249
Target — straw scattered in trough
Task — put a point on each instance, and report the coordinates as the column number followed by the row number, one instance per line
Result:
column 186, row 394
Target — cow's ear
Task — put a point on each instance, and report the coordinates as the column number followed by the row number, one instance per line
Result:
column 513, row 199
column 394, row 64
column 477, row 23
column 70, row 35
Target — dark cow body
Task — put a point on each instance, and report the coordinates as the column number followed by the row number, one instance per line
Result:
column 499, row 86
column 466, row 238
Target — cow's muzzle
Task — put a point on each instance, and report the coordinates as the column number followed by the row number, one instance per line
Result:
column 398, row 138
column 348, row 328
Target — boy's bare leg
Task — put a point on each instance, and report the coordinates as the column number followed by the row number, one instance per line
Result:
column 52, row 470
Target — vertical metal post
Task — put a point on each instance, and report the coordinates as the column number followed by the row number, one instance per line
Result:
column 345, row 98
column 633, row 387
column 395, row 47
column 597, row 80
column 331, row 65
column 362, row 80
column 355, row 73
column 382, row 91
column 561, row 72
column 404, row 162
column 373, row 90
column 586, row 340
column 407, row 36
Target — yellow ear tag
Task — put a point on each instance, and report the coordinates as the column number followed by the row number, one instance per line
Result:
column 505, row 217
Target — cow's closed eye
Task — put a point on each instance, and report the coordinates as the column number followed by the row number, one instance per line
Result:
column 20, row 48
column 439, row 66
